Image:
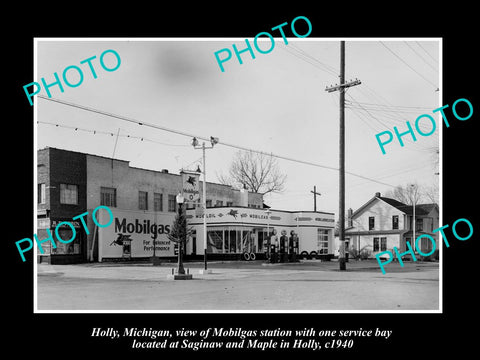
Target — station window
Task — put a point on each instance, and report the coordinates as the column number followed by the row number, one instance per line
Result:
column 172, row 203
column 108, row 196
column 209, row 203
column 69, row 194
column 322, row 241
column 231, row 239
column 219, row 203
column 41, row 193
column 157, row 202
column 142, row 200
column 72, row 247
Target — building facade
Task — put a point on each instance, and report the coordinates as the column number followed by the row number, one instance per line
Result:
column 71, row 183
column 143, row 205
column 233, row 231
column 383, row 223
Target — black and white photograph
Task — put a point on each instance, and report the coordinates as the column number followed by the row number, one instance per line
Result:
column 211, row 181
column 148, row 120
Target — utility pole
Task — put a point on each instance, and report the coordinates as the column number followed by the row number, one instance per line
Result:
column 315, row 193
column 341, row 213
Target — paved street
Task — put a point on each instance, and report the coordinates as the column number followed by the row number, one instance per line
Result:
column 310, row 285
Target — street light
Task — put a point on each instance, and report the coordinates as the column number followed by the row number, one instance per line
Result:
column 414, row 201
column 266, row 243
column 195, row 144
column 180, row 200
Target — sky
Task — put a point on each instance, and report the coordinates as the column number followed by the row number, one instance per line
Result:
column 274, row 103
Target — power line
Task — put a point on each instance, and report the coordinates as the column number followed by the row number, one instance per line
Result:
column 302, row 55
column 123, row 118
column 426, row 51
column 386, row 123
column 394, row 107
column 94, row 131
column 332, row 69
column 421, row 57
column 398, row 57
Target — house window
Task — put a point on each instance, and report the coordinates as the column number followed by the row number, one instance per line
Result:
column 68, row 194
column 108, row 196
column 426, row 245
column 157, row 202
column 172, row 203
column 371, row 223
column 418, row 224
column 142, row 200
column 219, row 203
column 322, row 241
column 209, row 203
column 41, row 194
column 395, row 222
column 383, row 244
column 376, row 244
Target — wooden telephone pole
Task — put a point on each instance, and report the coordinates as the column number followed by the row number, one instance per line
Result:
column 341, row 213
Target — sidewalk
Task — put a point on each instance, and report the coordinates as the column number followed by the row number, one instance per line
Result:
column 220, row 269
column 309, row 285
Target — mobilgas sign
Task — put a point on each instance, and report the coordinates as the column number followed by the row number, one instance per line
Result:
column 140, row 228
column 253, row 216
column 190, row 188
column 134, row 235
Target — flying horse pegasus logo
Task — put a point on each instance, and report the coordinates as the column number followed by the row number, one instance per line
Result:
column 191, row 180
column 120, row 239
column 234, row 213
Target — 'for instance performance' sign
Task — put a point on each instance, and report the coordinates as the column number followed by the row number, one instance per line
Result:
column 134, row 233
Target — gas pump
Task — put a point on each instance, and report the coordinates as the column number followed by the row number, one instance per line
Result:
column 291, row 241
column 273, row 247
column 283, row 246
column 266, row 246
column 295, row 247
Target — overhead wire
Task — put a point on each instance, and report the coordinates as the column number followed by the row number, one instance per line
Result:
column 385, row 123
column 408, row 65
column 421, row 57
column 302, row 55
column 94, row 131
column 420, row 45
column 159, row 127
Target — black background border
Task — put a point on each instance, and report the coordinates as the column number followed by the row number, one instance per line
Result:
column 60, row 335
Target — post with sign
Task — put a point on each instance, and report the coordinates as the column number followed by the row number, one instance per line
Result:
column 179, row 235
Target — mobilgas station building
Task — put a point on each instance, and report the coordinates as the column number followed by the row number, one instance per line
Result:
column 143, row 204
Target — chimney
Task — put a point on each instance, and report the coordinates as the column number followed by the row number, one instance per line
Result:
column 349, row 218
column 165, row 171
column 377, row 194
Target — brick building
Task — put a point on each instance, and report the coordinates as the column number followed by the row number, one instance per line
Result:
column 71, row 183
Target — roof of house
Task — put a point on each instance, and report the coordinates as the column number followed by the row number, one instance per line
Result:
column 420, row 209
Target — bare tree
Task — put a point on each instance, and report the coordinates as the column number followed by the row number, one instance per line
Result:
column 432, row 194
column 256, row 172
column 409, row 194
